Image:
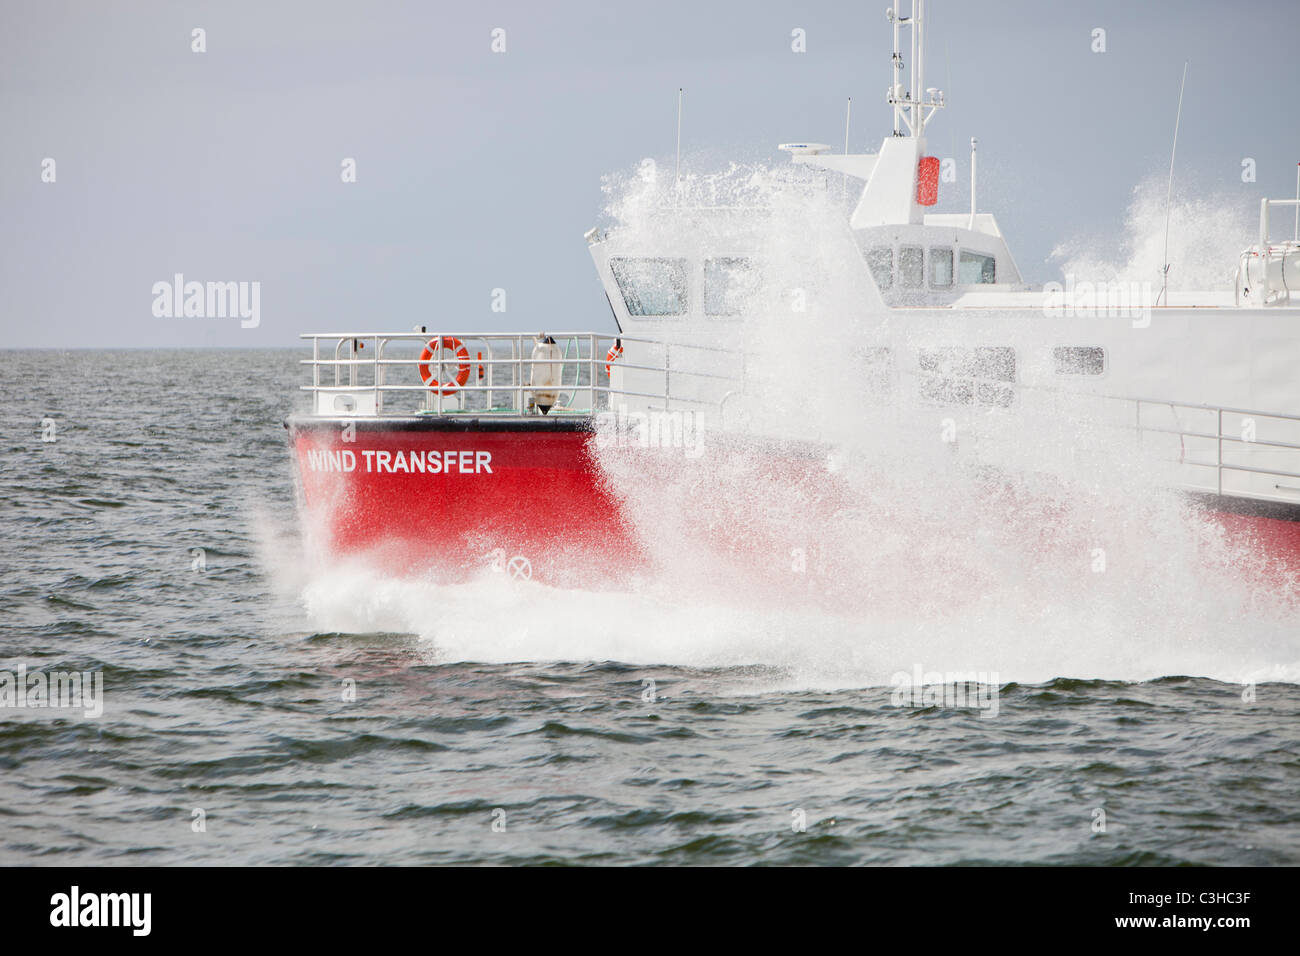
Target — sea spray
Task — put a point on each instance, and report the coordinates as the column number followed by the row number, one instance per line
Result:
column 844, row 534
column 1206, row 235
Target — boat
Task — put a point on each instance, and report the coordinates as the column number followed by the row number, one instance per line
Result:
column 447, row 451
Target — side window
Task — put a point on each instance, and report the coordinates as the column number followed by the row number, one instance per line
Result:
column 1079, row 360
column 940, row 382
column 940, row 268
column 994, row 366
column 976, row 268
column 729, row 284
column 911, row 267
column 651, row 287
column 963, row 376
column 880, row 259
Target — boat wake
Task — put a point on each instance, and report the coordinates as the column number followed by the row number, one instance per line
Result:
column 917, row 561
column 1012, row 631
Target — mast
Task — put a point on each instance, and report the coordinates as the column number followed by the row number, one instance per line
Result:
column 914, row 106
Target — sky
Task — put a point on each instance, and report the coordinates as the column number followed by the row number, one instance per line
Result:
column 479, row 170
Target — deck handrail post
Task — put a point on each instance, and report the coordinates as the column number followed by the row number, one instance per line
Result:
column 668, row 392
column 1219, row 456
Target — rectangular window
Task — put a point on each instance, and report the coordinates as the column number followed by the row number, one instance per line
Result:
column 964, row 376
column 880, row 259
column 729, row 284
column 940, row 268
column 941, row 380
column 1079, row 360
column 976, row 269
column 911, row 267
column 651, row 287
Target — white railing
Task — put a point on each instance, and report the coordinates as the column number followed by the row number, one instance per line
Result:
column 1247, row 449
column 369, row 377
column 1219, row 449
column 1269, row 273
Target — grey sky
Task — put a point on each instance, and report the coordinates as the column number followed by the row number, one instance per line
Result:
column 479, row 170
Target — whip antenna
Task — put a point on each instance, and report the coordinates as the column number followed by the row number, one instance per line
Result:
column 678, row 171
column 848, row 115
column 1169, row 193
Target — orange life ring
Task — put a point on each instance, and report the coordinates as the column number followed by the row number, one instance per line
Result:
column 612, row 356
column 431, row 350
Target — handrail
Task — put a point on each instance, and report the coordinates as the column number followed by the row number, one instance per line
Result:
column 1218, row 435
column 501, row 362
column 1264, row 205
column 429, row 336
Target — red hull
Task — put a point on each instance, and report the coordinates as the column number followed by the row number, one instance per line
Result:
column 456, row 500
column 1270, row 534
column 455, row 496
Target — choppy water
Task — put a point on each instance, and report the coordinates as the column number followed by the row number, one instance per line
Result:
column 224, row 691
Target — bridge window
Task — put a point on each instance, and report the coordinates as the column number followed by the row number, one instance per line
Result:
column 940, row 268
column 651, row 287
column 976, row 268
column 1079, row 360
column 880, row 259
column 911, row 267
column 965, row 376
column 729, row 284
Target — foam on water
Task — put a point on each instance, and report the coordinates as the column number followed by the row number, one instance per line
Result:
column 1013, row 630
column 1057, row 551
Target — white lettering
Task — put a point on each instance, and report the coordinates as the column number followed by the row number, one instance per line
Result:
column 211, row 300
column 103, row 909
column 378, row 461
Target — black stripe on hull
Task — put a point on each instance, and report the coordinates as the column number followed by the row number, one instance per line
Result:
column 443, row 423
column 1250, row 507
